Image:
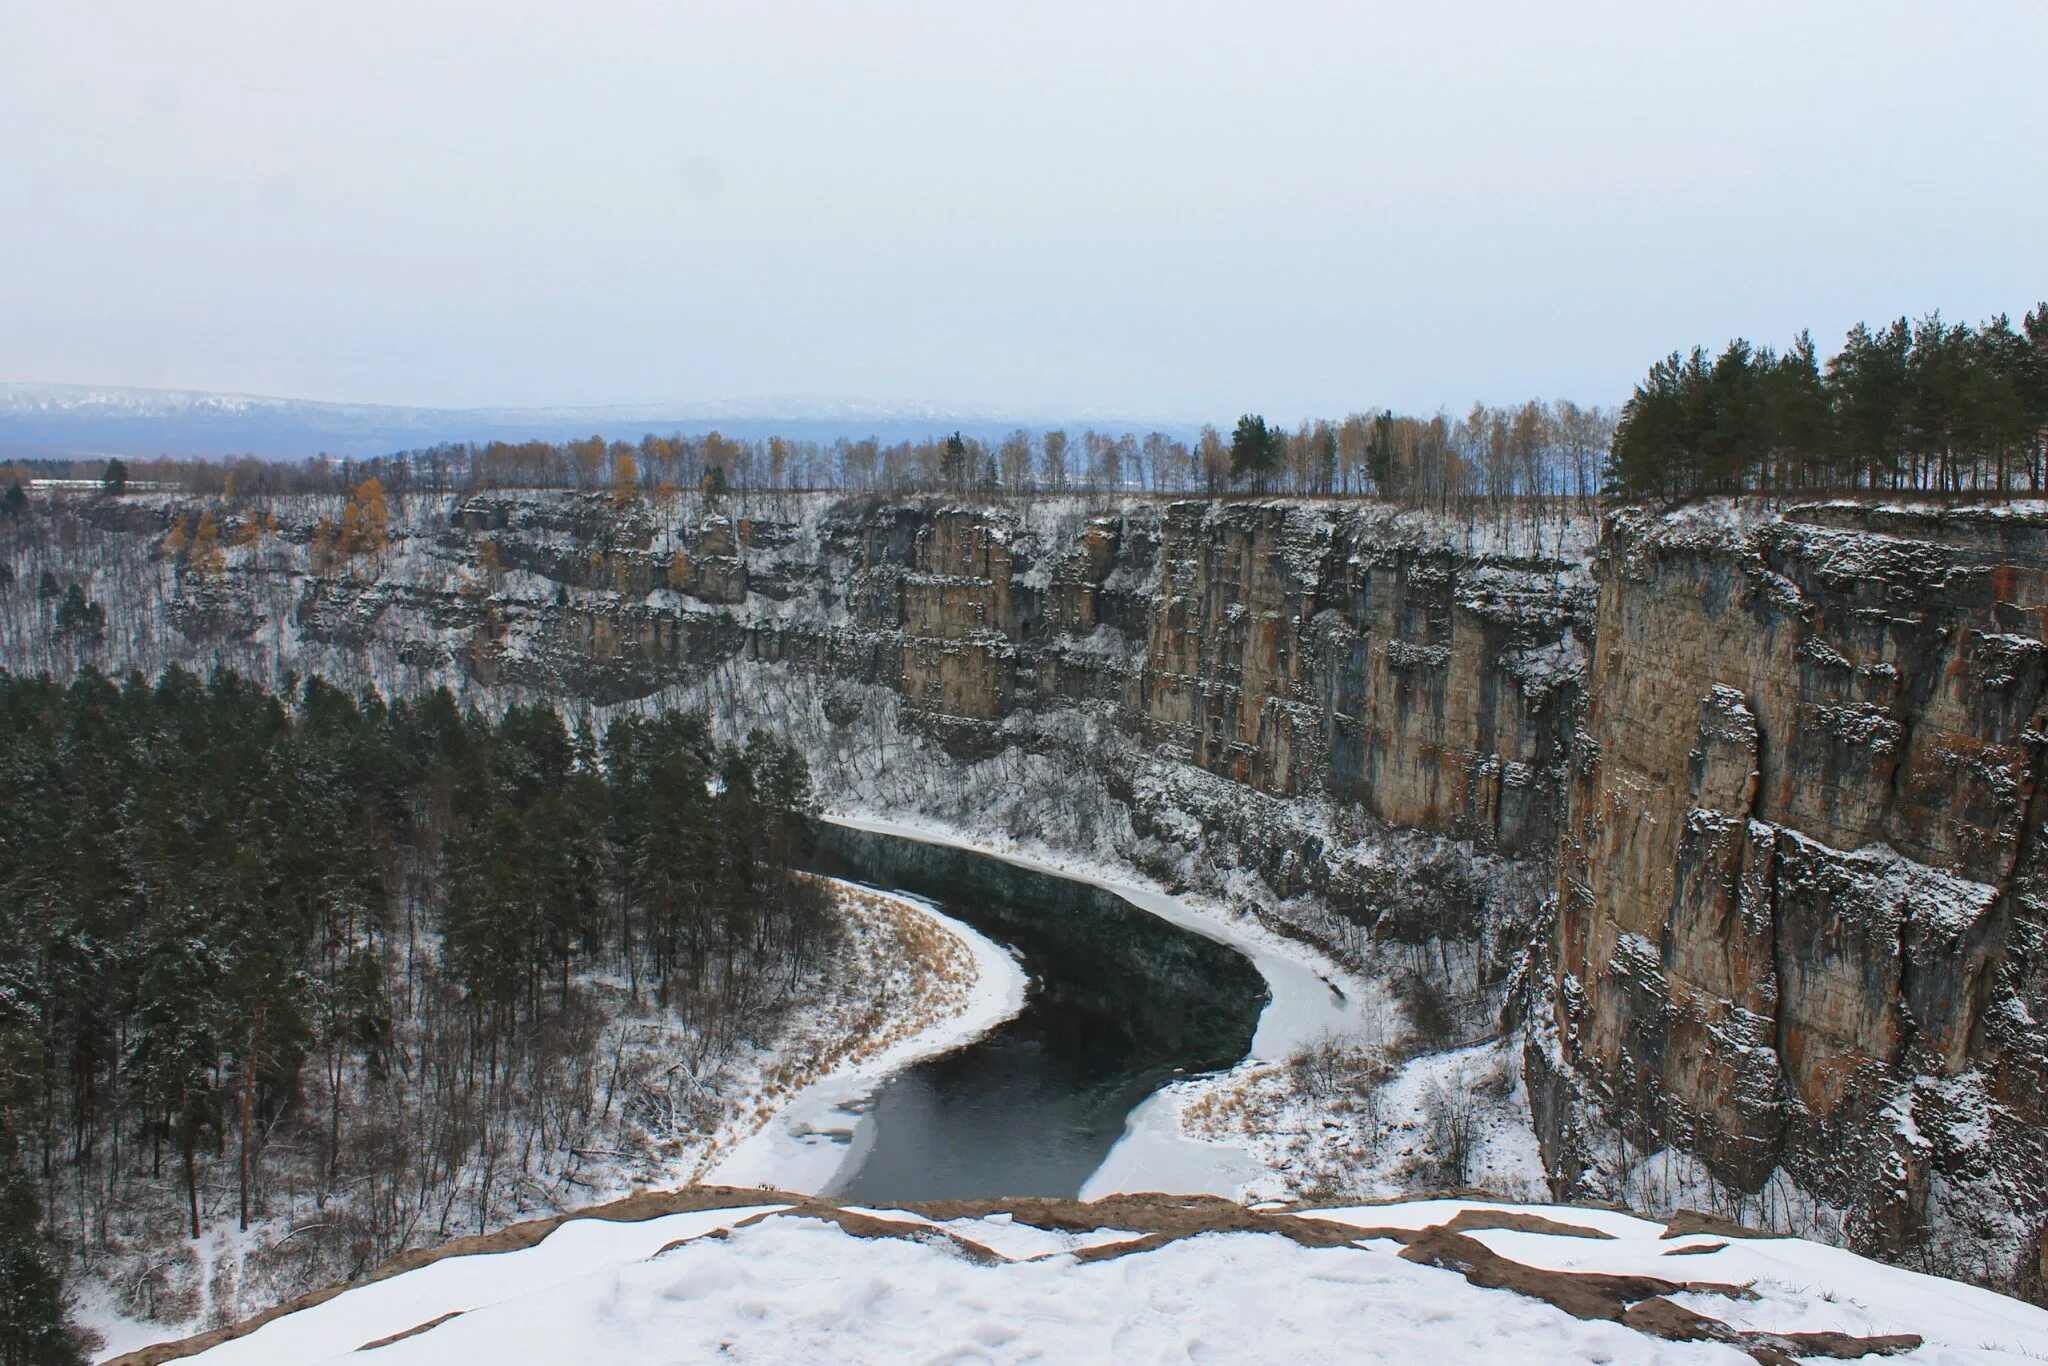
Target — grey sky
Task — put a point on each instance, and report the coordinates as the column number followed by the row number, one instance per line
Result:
column 1183, row 210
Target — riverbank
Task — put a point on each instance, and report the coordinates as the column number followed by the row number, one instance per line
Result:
column 818, row 1130
column 1312, row 1000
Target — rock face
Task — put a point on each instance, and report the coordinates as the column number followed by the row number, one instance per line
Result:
column 1258, row 686
column 1300, row 653
column 1293, row 649
column 1801, row 909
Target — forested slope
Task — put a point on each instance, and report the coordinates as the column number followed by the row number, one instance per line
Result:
column 364, row 973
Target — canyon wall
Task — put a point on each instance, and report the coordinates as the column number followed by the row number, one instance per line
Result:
column 1292, row 649
column 1800, row 910
column 1252, row 698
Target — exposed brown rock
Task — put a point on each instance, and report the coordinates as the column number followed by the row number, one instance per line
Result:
column 374, row 1343
column 1469, row 1220
column 1637, row 1302
column 1582, row 1294
column 1689, row 1221
column 858, row 1224
column 1800, row 881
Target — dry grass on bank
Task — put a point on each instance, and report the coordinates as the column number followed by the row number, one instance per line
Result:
column 906, row 972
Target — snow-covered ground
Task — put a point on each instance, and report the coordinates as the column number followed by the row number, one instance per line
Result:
column 1351, row 1119
column 771, row 1283
column 912, row 982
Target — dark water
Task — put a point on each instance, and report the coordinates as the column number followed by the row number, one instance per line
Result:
column 1120, row 1003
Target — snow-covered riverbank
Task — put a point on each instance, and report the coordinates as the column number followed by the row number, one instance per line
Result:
column 1311, row 1000
column 822, row 1127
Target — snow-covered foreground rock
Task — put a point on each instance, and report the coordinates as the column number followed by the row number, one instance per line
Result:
column 768, row 1277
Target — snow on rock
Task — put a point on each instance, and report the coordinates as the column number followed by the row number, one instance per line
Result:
column 1145, row 1279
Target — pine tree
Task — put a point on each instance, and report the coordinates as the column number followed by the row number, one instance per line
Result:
column 2032, row 384
column 33, row 1310
column 953, row 464
column 178, row 1042
column 1796, row 398
column 79, row 615
column 1255, row 451
column 1380, row 455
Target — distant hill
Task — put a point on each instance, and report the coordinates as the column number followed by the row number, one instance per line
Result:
column 81, row 421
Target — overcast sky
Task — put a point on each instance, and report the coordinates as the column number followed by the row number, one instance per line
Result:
column 1180, row 210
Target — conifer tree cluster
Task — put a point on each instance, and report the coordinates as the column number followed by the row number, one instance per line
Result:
column 248, row 938
column 1928, row 406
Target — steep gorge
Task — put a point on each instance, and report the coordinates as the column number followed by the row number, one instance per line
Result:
column 1789, row 814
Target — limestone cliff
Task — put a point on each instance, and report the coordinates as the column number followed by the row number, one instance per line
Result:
column 1255, row 697
column 1234, row 672
column 1801, row 901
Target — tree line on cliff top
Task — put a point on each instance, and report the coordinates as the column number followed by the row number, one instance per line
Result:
column 1490, row 453
column 1930, row 406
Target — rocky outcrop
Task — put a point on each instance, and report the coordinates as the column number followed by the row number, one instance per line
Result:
column 1800, row 903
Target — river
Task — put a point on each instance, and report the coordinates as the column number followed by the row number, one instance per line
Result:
column 1120, row 1003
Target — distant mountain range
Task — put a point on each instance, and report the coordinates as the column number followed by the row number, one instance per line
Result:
column 83, row 421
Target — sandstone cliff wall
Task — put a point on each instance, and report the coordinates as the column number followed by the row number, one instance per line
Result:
column 1255, row 688
column 1800, row 901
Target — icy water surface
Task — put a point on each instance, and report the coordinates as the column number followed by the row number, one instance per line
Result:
column 1120, row 1004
